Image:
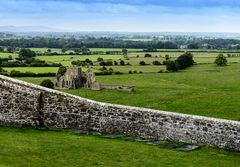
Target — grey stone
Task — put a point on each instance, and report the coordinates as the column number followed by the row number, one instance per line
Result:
column 24, row 104
column 188, row 148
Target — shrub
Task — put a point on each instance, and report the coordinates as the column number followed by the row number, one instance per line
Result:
column 161, row 71
column 106, row 63
column 1, row 69
column 167, row 57
column 106, row 72
column 221, row 60
column 103, row 68
column 62, row 70
column 115, row 63
column 15, row 73
column 148, row 55
column 142, row 63
column 156, row 63
column 118, row 73
column 172, row 65
column 185, row 60
column 99, row 59
column 47, row 83
column 130, row 72
column 122, row 63
column 26, row 53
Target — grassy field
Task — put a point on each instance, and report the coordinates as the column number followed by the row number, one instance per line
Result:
column 66, row 60
column 33, row 69
column 6, row 55
column 205, row 90
column 35, row 148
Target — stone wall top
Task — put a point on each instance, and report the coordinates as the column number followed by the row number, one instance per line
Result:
column 9, row 80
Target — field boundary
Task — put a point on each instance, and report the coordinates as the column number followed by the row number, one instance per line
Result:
column 25, row 104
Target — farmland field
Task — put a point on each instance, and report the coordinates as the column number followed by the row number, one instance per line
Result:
column 28, row 147
column 205, row 90
column 6, row 55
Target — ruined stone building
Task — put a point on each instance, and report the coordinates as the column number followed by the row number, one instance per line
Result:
column 75, row 78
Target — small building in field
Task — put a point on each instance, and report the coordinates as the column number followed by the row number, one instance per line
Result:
column 75, row 78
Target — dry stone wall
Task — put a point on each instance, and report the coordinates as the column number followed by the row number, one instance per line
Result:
column 26, row 104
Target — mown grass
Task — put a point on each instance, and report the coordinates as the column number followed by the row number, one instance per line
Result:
column 206, row 90
column 33, row 69
column 35, row 148
column 6, row 55
column 66, row 60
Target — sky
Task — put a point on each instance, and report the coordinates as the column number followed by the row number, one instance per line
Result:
column 124, row 15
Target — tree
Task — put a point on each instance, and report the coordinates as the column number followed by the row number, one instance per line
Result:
column 64, row 50
column 148, row 55
column 10, row 49
column 172, row 65
column 185, row 60
column 26, row 53
column 99, row 59
column 142, row 63
column 122, row 63
column 1, row 49
column 47, row 83
column 1, row 69
column 193, row 46
column 125, row 53
column 115, row 63
column 62, row 70
column 156, row 63
column 167, row 57
column 221, row 60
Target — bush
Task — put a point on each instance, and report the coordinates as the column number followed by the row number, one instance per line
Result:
column 122, row 63
column 156, row 63
column 167, row 57
column 99, row 59
column 148, row 55
column 62, row 70
column 130, row 72
column 118, row 73
column 106, row 72
column 15, row 73
column 106, row 63
column 185, row 60
column 142, row 63
column 47, row 83
column 221, row 60
column 115, row 63
column 1, row 69
column 26, row 53
column 172, row 65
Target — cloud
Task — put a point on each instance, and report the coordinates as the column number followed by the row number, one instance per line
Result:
column 138, row 15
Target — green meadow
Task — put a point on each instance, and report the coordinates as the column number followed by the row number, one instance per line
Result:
column 206, row 90
column 203, row 89
column 36, row 148
column 6, row 55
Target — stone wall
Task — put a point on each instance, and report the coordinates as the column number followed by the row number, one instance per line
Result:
column 26, row 104
column 116, row 87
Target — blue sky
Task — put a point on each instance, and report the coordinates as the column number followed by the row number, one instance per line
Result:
column 124, row 15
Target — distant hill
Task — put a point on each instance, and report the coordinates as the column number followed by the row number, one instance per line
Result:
column 27, row 29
